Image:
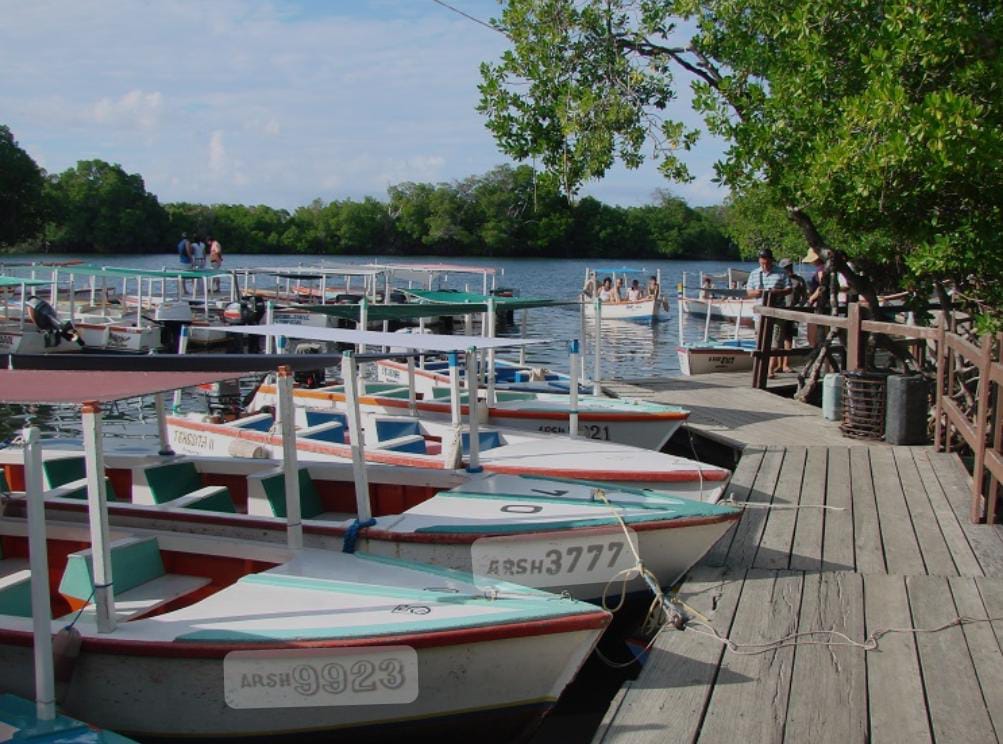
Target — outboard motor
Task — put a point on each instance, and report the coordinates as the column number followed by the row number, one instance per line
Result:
column 42, row 314
column 248, row 310
column 309, row 378
column 222, row 398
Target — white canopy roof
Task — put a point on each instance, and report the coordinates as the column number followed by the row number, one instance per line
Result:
column 416, row 341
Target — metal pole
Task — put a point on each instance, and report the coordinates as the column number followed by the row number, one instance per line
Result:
column 350, row 374
column 269, row 320
column 474, row 463
column 182, row 349
column 522, row 334
column 290, row 463
column 38, row 561
column 573, row 361
column 492, row 318
column 97, row 510
column 597, row 367
column 165, row 442
column 412, row 393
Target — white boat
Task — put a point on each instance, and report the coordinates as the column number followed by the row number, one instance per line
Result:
column 701, row 358
column 423, row 518
column 645, row 310
column 29, row 325
column 197, row 636
column 625, row 421
column 719, row 297
column 434, row 374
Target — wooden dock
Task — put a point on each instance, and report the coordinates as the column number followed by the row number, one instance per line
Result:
column 726, row 409
column 894, row 550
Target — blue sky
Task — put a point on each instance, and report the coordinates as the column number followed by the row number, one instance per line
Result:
column 269, row 102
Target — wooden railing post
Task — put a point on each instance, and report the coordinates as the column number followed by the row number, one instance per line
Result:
column 938, row 416
column 854, row 339
column 979, row 506
column 764, row 346
column 992, row 497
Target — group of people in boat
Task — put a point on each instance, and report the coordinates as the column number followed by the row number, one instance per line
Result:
column 614, row 293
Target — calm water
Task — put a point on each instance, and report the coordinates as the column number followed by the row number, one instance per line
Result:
column 630, row 350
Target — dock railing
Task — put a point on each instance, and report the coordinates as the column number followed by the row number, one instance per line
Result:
column 981, row 428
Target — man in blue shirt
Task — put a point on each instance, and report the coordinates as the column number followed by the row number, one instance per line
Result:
column 769, row 278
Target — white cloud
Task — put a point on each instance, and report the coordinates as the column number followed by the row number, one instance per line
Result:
column 136, row 109
column 217, row 153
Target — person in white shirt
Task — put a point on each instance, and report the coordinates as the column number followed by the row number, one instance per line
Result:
column 634, row 293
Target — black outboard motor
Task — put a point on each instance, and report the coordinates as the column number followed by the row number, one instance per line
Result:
column 309, row 378
column 42, row 314
column 248, row 310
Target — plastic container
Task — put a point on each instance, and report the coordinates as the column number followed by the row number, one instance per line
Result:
column 832, row 397
column 907, row 410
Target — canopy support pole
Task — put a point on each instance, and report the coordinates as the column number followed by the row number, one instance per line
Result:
column 350, row 374
column 412, row 393
column 290, row 463
column 474, row 463
column 596, row 351
column 38, row 561
column 97, row 509
column 182, row 350
column 492, row 318
column 574, row 359
column 269, row 319
column 522, row 334
column 165, row 442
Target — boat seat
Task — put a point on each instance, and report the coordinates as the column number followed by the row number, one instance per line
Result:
column 66, row 477
column 160, row 484
column 210, row 499
column 331, row 431
column 141, row 584
column 386, row 427
column 257, row 422
column 313, row 417
column 486, row 439
column 266, row 496
column 15, row 583
column 414, row 443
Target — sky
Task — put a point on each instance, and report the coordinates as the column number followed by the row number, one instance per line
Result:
column 271, row 102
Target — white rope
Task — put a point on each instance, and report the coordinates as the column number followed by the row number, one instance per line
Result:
column 758, row 505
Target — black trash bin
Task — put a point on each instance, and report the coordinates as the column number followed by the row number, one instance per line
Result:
column 907, row 409
column 864, row 405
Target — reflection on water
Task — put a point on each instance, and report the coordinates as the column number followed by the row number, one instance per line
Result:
column 628, row 350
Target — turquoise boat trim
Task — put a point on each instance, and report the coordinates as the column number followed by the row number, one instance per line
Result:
column 21, row 715
column 682, row 507
column 570, row 524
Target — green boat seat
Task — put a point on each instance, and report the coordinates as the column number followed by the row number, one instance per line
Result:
column 140, row 582
column 66, row 478
column 413, row 443
column 391, row 427
column 161, row 484
column 15, row 588
column 486, row 439
column 330, row 431
column 266, row 496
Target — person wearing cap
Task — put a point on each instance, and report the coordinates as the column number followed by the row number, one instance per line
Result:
column 818, row 292
column 769, row 278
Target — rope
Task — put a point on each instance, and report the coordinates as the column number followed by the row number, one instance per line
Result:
column 80, row 612
column 352, row 534
column 757, row 505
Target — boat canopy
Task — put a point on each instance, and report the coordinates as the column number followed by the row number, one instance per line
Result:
column 14, row 281
column 621, row 270
column 315, row 272
column 468, row 298
column 125, row 272
column 421, row 271
column 26, row 386
column 431, row 308
column 417, row 341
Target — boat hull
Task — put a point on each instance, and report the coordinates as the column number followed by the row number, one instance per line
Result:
column 724, row 309
column 646, row 311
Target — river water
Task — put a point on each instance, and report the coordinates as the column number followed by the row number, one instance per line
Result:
column 629, row 350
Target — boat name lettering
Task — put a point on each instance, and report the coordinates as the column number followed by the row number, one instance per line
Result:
column 411, row 609
column 193, row 439
column 522, row 509
column 552, row 429
column 594, row 431
column 289, row 678
column 556, row 561
column 6, row 340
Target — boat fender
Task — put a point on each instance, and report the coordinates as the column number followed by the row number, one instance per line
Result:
column 352, row 534
column 45, row 319
column 247, row 450
column 65, row 650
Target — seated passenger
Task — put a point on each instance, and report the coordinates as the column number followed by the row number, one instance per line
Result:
column 606, row 293
column 634, row 293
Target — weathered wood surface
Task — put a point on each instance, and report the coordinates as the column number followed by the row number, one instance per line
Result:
column 725, row 408
column 896, row 552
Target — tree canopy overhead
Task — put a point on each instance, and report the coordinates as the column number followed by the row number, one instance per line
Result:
column 876, row 125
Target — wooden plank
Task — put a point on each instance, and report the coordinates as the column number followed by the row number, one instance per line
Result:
column 837, row 541
column 667, row 701
column 750, row 528
column 749, row 700
column 739, row 490
column 868, row 548
column 985, row 542
column 961, row 552
column 902, row 553
column 778, row 533
column 806, row 551
column 954, row 699
column 611, row 713
column 828, row 701
column 894, row 686
column 932, row 545
column 983, row 645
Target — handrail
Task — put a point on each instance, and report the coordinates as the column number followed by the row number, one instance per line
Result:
column 981, row 429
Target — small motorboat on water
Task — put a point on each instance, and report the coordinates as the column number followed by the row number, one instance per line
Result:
column 643, row 310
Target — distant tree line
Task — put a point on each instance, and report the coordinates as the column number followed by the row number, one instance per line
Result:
column 96, row 207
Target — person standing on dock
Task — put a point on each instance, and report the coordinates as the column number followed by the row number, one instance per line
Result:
column 768, row 277
column 185, row 257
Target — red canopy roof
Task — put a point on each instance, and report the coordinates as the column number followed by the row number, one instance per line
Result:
column 52, row 386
